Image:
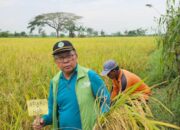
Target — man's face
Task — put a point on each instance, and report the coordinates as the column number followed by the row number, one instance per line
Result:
column 66, row 61
column 112, row 74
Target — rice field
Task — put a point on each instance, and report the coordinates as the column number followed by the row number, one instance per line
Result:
column 26, row 67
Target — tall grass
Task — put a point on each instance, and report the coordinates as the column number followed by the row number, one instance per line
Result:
column 168, row 62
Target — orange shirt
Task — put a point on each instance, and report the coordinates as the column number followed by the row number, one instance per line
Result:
column 127, row 79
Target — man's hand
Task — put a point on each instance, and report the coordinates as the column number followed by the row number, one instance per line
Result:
column 38, row 123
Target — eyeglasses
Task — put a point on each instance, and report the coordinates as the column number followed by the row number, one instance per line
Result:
column 61, row 59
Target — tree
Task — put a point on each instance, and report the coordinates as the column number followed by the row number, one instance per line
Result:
column 5, row 34
column 95, row 33
column 23, row 34
column 132, row 33
column 89, row 32
column 141, row 32
column 70, row 26
column 60, row 21
column 81, row 31
column 117, row 34
column 136, row 32
column 16, row 34
column 43, row 34
column 102, row 33
column 126, row 32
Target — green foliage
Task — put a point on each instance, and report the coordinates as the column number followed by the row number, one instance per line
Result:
column 166, row 90
column 155, row 71
column 117, row 34
column 171, row 39
column 166, row 94
column 102, row 33
column 166, row 61
column 15, row 34
column 137, row 32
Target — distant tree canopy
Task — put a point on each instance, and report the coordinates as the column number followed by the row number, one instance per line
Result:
column 102, row 33
column 137, row 32
column 60, row 21
column 15, row 34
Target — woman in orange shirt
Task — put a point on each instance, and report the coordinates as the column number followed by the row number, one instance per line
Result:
column 123, row 79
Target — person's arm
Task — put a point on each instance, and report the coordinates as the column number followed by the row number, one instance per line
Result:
column 48, row 117
column 99, row 90
column 40, row 122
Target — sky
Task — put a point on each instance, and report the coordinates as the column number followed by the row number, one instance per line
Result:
column 107, row 15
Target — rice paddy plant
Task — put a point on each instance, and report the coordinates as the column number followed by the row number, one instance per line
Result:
column 131, row 112
column 27, row 67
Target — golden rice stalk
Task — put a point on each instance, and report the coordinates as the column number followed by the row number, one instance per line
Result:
column 130, row 112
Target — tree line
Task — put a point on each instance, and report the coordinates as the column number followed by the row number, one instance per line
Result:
column 87, row 32
column 65, row 24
